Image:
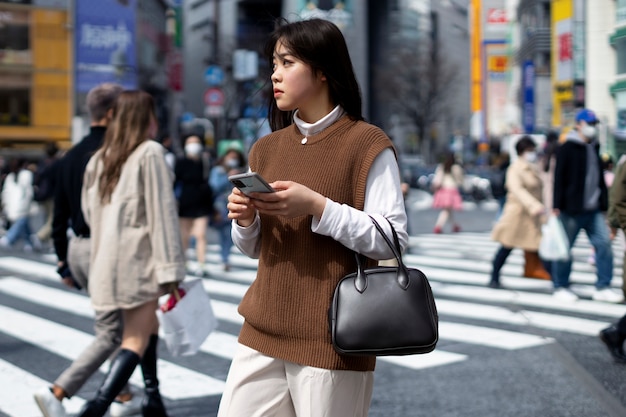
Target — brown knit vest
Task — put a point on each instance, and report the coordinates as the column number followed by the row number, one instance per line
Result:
column 286, row 307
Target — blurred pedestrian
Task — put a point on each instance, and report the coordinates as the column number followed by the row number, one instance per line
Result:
column 170, row 156
column 446, row 183
column 580, row 197
column 231, row 163
column 498, row 181
column 136, row 251
column 613, row 337
column 73, row 264
column 548, row 161
column 609, row 175
column 17, row 197
column 195, row 200
column 43, row 193
column 616, row 215
column 330, row 170
column 520, row 223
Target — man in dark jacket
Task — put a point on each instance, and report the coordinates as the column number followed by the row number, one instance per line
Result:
column 580, row 197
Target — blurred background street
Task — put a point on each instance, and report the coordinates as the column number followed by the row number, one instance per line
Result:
column 465, row 77
column 510, row 352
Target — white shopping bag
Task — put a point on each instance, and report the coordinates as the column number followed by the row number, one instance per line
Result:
column 554, row 245
column 189, row 322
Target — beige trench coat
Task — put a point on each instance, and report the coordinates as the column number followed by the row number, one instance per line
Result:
column 517, row 227
column 135, row 239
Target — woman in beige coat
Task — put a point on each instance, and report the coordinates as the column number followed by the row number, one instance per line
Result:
column 520, row 223
column 136, row 249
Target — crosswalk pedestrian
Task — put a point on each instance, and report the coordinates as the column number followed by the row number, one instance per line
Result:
column 44, row 326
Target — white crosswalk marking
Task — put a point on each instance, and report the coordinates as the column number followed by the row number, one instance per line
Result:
column 458, row 267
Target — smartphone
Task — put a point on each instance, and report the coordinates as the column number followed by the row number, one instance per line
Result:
column 250, row 182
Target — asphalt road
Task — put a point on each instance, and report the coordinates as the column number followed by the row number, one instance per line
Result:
column 513, row 352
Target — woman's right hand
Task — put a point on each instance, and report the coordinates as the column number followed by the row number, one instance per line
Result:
column 240, row 208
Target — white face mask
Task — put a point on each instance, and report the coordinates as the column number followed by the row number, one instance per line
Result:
column 193, row 149
column 232, row 163
column 589, row 131
column 530, row 156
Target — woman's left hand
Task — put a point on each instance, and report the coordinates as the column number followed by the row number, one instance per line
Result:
column 291, row 199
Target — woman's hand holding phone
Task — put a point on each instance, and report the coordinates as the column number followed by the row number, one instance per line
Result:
column 240, row 208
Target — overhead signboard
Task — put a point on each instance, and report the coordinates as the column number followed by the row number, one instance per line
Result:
column 105, row 43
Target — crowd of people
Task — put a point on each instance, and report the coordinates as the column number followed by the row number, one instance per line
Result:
column 133, row 210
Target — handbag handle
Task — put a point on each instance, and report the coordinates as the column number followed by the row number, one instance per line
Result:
column 360, row 282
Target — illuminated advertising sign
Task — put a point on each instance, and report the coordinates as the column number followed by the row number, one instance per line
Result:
column 105, row 43
column 528, row 91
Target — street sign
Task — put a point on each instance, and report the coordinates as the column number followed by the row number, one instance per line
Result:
column 214, row 75
column 214, row 111
column 214, row 97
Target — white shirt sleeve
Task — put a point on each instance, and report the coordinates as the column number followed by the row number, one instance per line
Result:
column 351, row 227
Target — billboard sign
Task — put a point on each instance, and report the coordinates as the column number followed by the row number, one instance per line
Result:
column 105, row 43
column 528, row 88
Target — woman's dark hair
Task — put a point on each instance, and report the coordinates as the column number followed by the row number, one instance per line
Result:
column 448, row 161
column 552, row 143
column 321, row 45
column 524, row 144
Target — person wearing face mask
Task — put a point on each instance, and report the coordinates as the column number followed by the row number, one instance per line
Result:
column 231, row 163
column 580, row 198
column 522, row 216
column 195, row 200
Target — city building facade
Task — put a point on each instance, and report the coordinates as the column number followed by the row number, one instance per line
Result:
column 35, row 73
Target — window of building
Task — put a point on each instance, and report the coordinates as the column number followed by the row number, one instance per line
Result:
column 621, row 12
column 620, row 47
column 14, row 38
column 14, row 99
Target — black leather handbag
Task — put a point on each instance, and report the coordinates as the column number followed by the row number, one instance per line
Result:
column 386, row 310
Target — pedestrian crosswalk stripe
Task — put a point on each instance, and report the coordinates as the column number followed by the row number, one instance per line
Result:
column 16, row 382
column 227, row 311
column 223, row 310
column 501, row 339
column 458, row 267
column 218, row 343
column 521, row 317
column 520, row 298
column 437, row 357
column 176, row 381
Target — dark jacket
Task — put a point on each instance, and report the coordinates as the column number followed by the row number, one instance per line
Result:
column 569, row 178
column 67, row 209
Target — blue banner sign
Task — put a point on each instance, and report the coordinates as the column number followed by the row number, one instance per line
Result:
column 105, row 43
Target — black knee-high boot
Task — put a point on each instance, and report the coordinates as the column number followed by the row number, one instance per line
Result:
column 122, row 368
column 152, row 405
column 498, row 263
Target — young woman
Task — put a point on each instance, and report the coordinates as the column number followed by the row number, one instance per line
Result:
column 520, row 223
column 448, row 178
column 195, row 203
column 330, row 171
column 136, row 249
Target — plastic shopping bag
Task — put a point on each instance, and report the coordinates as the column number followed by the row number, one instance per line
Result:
column 188, row 319
column 554, row 245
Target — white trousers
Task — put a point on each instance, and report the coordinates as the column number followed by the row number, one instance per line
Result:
column 261, row 386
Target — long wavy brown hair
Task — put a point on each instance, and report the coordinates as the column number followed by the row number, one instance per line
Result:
column 132, row 115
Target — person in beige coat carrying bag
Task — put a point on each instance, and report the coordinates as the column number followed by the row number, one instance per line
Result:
column 136, row 248
column 523, row 214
